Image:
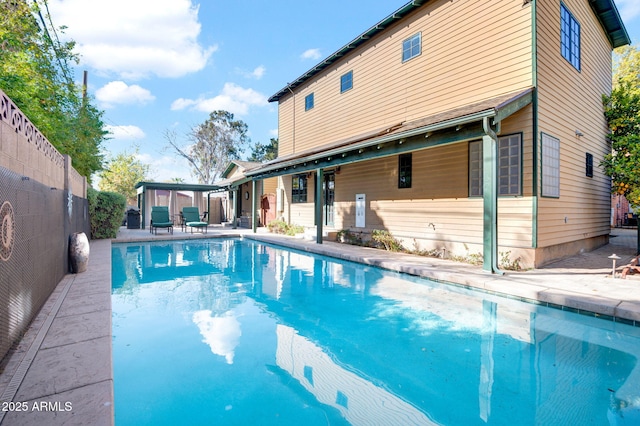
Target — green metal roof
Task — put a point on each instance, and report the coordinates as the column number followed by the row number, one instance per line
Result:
column 177, row 186
column 605, row 10
column 610, row 20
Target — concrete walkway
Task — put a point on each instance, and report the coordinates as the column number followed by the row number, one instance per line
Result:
column 61, row 371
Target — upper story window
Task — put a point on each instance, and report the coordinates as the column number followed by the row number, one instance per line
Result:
column 569, row 37
column 346, row 81
column 404, row 171
column 308, row 102
column 411, row 47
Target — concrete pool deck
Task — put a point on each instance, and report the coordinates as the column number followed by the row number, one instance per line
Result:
column 61, row 371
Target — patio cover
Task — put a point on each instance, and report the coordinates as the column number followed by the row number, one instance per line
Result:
column 197, row 189
column 480, row 120
column 456, row 125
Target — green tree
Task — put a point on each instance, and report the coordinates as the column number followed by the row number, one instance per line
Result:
column 36, row 73
column 264, row 152
column 622, row 111
column 121, row 174
column 214, row 144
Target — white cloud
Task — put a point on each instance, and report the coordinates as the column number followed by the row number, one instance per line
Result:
column 221, row 332
column 125, row 132
column 233, row 98
column 311, row 54
column 118, row 92
column 256, row 74
column 629, row 10
column 273, row 133
column 135, row 39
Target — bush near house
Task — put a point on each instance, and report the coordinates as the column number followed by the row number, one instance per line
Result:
column 106, row 210
column 282, row 227
column 383, row 239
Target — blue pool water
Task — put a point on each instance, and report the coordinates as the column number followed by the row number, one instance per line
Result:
column 235, row 332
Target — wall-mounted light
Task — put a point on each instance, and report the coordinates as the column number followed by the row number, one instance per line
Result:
column 579, row 133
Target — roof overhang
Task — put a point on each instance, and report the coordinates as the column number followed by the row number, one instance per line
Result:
column 176, row 186
column 353, row 44
column 605, row 10
column 456, row 125
column 611, row 21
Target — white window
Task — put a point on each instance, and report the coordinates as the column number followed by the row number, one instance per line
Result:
column 411, row 47
column 550, row 166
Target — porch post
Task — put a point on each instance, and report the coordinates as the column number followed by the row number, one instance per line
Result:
column 318, row 205
column 235, row 207
column 490, row 199
column 254, row 222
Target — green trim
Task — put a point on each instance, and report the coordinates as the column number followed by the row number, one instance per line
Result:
column 611, row 22
column 362, row 152
column 349, row 47
column 177, row 186
column 318, row 204
column 534, row 124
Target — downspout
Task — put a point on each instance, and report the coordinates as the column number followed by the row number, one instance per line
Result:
column 534, row 136
column 490, row 199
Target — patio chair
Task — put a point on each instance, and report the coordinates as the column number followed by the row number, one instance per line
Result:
column 160, row 219
column 192, row 219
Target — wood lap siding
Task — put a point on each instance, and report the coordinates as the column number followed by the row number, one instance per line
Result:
column 438, row 196
column 570, row 100
column 386, row 91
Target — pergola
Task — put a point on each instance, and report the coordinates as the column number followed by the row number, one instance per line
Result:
column 148, row 196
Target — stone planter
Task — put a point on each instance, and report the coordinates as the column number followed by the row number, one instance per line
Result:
column 78, row 252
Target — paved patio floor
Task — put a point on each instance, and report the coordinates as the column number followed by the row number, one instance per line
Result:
column 61, row 371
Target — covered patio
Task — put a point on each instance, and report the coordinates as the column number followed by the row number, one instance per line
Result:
column 478, row 121
column 172, row 195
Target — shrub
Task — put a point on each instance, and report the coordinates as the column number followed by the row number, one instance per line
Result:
column 507, row 263
column 346, row 236
column 282, row 227
column 384, row 239
column 106, row 210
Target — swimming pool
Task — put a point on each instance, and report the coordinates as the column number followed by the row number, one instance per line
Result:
column 229, row 331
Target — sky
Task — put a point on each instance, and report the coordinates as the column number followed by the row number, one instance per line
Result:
column 158, row 66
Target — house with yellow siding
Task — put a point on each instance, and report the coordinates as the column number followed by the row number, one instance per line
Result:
column 462, row 126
